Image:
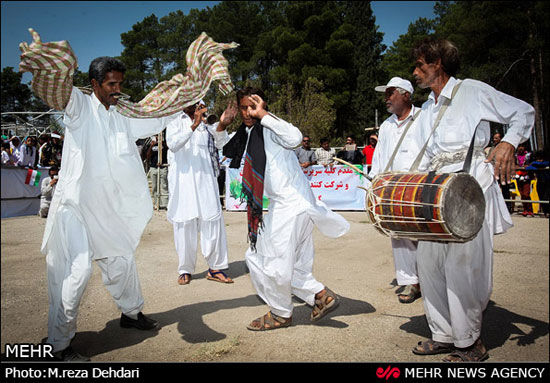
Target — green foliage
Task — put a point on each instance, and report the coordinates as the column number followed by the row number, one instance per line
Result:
column 318, row 62
column 311, row 111
column 16, row 97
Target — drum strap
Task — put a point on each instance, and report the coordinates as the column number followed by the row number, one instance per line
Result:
column 390, row 162
column 444, row 107
column 468, row 159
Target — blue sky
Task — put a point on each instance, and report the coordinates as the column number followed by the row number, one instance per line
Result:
column 78, row 21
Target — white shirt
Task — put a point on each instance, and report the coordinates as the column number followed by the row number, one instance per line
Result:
column 5, row 158
column 25, row 158
column 15, row 153
column 192, row 186
column 475, row 103
column 325, row 157
column 285, row 184
column 389, row 135
column 102, row 178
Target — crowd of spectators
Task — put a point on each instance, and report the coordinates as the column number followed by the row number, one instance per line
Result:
column 529, row 167
column 42, row 153
column 32, row 152
column 45, row 151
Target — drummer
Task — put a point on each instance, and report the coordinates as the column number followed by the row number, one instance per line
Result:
column 397, row 95
column 456, row 278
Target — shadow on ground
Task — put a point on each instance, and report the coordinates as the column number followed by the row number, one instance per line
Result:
column 192, row 327
column 499, row 325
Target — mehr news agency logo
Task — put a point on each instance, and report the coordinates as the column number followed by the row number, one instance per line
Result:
column 482, row 372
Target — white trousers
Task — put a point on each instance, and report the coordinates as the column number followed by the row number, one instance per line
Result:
column 69, row 267
column 404, row 259
column 213, row 243
column 456, row 282
column 283, row 263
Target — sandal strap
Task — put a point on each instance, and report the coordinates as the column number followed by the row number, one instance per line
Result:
column 212, row 273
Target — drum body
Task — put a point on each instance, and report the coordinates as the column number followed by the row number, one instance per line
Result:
column 447, row 207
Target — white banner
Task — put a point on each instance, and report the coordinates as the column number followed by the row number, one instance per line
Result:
column 337, row 187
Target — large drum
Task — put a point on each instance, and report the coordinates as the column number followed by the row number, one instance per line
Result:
column 448, row 207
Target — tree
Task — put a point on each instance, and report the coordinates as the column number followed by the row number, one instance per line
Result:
column 366, row 70
column 311, row 111
column 16, row 96
column 398, row 59
column 503, row 44
column 141, row 55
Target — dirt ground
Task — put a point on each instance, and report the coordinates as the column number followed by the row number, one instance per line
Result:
column 206, row 321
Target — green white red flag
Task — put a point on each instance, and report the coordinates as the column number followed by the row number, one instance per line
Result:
column 33, row 177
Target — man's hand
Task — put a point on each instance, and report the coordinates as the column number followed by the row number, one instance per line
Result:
column 198, row 116
column 503, row 155
column 228, row 115
column 258, row 111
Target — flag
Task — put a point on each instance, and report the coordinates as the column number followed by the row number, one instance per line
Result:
column 33, row 177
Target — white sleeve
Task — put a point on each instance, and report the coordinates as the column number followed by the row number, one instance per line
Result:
column 74, row 107
column 220, row 137
column 285, row 134
column 178, row 132
column 147, row 127
column 502, row 108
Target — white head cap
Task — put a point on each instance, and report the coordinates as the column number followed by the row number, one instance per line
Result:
column 396, row 82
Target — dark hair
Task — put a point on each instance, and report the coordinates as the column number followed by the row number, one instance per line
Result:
column 53, row 168
column 432, row 49
column 249, row 91
column 323, row 140
column 100, row 66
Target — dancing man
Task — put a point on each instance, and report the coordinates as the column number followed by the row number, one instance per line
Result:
column 102, row 201
column 281, row 253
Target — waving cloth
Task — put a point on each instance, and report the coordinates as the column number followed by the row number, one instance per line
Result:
column 53, row 64
column 253, row 174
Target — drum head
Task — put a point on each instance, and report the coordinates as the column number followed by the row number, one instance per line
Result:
column 463, row 206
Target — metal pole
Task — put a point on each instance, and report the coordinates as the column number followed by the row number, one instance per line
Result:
column 159, row 164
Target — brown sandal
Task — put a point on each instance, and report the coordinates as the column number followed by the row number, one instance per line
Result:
column 184, row 279
column 432, row 347
column 327, row 303
column 409, row 294
column 475, row 353
column 269, row 321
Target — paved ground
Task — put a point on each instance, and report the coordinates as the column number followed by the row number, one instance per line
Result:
column 206, row 321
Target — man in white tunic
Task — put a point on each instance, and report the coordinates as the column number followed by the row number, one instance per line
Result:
column 403, row 121
column 100, row 208
column 194, row 203
column 456, row 278
column 280, row 258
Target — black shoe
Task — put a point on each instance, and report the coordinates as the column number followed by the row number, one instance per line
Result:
column 142, row 323
column 70, row 355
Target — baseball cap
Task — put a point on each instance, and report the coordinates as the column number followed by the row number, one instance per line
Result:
column 396, row 82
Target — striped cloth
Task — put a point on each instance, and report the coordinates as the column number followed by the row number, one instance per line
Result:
column 53, row 64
